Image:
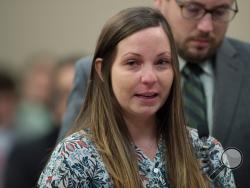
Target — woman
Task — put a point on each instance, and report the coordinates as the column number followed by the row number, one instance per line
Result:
column 131, row 131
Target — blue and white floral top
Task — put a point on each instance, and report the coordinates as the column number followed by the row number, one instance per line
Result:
column 76, row 162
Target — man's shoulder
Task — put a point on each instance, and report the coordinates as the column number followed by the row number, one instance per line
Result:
column 83, row 67
column 239, row 45
column 84, row 61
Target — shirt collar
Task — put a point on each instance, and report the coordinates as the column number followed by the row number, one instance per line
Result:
column 205, row 66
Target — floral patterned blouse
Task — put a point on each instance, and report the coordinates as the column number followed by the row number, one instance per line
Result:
column 76, row 162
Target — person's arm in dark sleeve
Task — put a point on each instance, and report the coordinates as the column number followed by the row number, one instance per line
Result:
column 77, row 95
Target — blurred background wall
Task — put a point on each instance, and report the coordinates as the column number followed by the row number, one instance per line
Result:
column 64, row 27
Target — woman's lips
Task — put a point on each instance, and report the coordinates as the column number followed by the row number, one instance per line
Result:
column 147, row 98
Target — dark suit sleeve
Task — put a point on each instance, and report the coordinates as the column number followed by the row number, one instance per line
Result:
column 76, row 98
column 13, row 176
column 27, row 159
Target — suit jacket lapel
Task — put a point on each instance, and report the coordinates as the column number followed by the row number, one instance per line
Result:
column 227, row 87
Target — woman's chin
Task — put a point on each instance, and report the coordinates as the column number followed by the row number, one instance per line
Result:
column 147, row 112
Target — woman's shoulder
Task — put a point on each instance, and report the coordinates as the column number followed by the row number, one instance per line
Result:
column 74, row 160
column 76, row 143
column 73, row 151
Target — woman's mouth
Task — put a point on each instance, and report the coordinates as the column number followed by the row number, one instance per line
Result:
column 148, row 98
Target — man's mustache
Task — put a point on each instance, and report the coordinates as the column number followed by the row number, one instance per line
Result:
column 202, row 36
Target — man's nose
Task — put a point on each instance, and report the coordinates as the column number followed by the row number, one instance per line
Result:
column 205, row 24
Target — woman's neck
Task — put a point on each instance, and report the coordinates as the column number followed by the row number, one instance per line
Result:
column 144, row 134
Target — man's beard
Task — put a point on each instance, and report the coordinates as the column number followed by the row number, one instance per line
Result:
column 189, row 55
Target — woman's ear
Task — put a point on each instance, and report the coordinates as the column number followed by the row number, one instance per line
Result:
column 98, row 67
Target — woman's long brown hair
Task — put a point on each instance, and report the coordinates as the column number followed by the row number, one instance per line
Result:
column 101, row 112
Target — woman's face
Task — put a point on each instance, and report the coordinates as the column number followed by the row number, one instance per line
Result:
column 142, row 72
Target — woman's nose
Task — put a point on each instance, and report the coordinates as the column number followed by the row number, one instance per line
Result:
column 148, row 76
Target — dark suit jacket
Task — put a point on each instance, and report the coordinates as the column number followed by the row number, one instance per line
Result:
column 27, row 160
column 231, row 100
column 77, row 95
column 232, row 103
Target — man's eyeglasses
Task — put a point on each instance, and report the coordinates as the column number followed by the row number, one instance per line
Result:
column 195, row 11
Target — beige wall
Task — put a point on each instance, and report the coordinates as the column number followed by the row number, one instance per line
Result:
column 71, row 26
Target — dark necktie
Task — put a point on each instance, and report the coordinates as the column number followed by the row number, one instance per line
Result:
column 194, row 96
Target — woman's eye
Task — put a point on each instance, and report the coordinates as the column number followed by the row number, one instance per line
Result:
column 132, row 63
column 163, row 63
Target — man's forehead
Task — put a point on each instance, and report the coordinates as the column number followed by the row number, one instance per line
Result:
column 209, row 2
